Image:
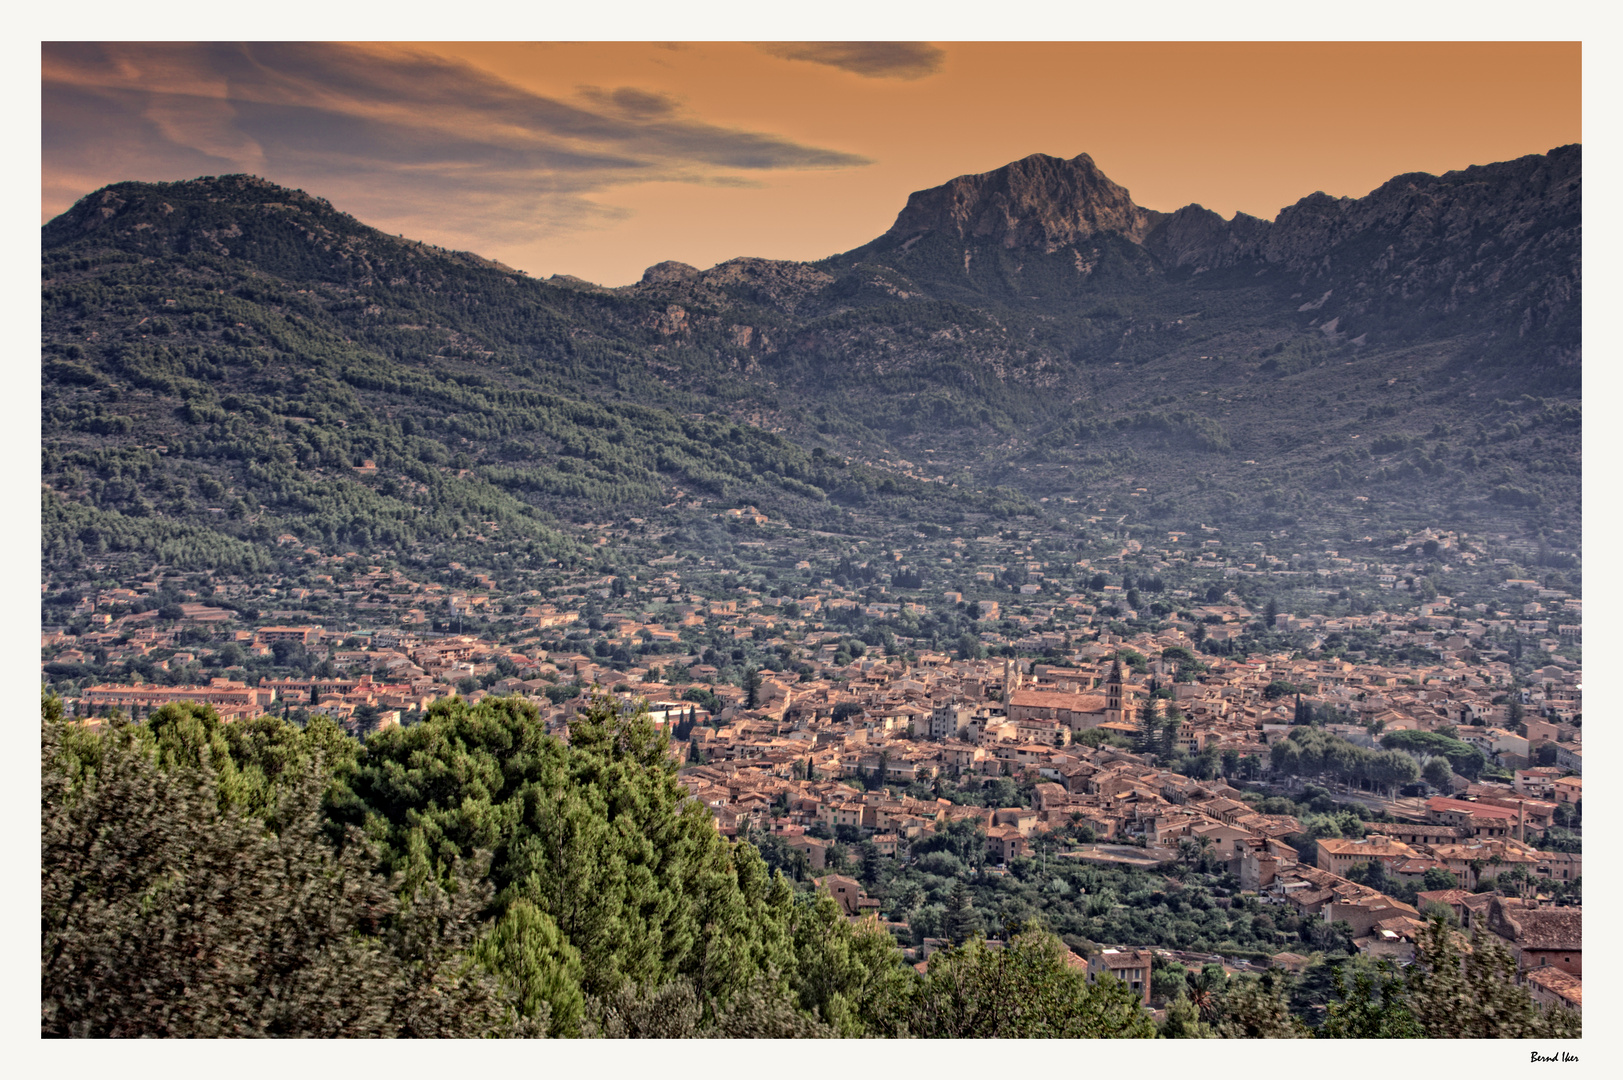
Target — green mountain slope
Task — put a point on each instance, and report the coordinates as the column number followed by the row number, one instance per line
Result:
column 320, row 383
column 223, row 357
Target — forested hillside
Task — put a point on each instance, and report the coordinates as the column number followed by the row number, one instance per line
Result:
column 229, row 366
column 201, row 404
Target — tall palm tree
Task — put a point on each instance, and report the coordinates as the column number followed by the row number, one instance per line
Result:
column 1201, row 988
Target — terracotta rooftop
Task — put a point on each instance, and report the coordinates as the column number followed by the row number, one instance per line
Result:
column 1547, row 928
column 1053, row 699
column 1560, row 983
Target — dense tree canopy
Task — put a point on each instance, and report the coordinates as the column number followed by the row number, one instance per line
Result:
column 1026, row 990
column 165, row 914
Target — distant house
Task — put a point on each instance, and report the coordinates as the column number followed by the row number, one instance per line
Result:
column 1567, row 789
column 1456, row 900
column 1339, row 855
column 1048, row 796
column 1483, row 820
column 1004, row 842
column 230, row 699
column 299, row 635
column 848, row 893
column 1131, row 966
column 1553, row 988
column 1366, row 914
column 1226, row 839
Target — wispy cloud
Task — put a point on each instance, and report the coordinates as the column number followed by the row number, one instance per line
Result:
column 870, row 59
column 407, row 134
column 628, row 101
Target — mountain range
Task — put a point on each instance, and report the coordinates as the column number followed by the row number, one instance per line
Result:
column 230, row 367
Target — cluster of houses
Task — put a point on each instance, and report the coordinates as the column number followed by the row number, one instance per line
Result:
column 779, row 768
column 782, row 756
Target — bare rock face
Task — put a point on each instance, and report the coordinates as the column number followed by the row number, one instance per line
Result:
column 1493, row 245
column 570, row 281
column 673, row 320
column 1198, row 237
column 770, row 282
column 1499, row 243
column 774, row 283
column 765, row 273
column 1039, row 201
column 1468, row 219
column 132, row 207
column 668, row 271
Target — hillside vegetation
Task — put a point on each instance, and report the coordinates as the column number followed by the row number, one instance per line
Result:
column 229, row 366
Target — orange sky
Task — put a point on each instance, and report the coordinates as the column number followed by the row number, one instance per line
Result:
column 600, row 159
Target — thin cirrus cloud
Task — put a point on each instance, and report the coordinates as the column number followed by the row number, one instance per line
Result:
column 399, row 135
column 870, row 59
column 630, row 102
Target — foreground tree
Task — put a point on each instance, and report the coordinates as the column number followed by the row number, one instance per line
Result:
column 1183, row 1021
column 596, row 835
column 1455, row 990
column 474, row 875
column 165, row 915
column 1026, row 990
column 1258, row 1007
column 1470, row 992
column 1371, row 1006
column 851, row 977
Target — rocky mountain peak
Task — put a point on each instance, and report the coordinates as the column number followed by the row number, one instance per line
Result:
column 1196, row 236
column 174, row 207
column 668, row 271
column 1038, row 201
column 281, row 229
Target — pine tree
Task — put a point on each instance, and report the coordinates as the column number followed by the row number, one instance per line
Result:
column 169, row 911
column 1447, row 994
column 1027, row 989
column 528, row 950
column 1169, row 731
column 961, row 921
column 1258, row 1007
column 1371, row 1006
column 870, row 865
column 1149, row 726
column 1183, row 1021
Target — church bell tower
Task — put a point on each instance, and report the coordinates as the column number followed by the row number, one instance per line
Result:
column 1119, row 707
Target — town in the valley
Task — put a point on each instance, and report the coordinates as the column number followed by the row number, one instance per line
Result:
column 1170, row 700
